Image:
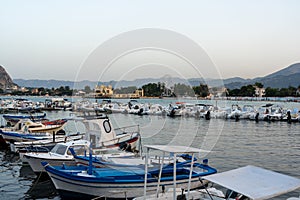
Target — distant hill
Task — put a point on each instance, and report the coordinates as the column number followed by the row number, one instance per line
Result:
column 290, row 70
column 36, row 83
column 289, row 76
column 5, row 79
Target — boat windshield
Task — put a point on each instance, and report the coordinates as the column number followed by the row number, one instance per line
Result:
column 59, row 149
column 79, row 150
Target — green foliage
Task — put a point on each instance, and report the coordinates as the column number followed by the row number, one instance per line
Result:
column 201, row 90
column 259, row 85
column 153, row 89
column 87, row 89
column 125, row 90
column 244, row 91
column 183, row 90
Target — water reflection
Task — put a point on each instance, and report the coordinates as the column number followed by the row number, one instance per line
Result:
column 42, row 187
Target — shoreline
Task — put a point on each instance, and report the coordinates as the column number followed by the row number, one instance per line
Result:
column 258, row 99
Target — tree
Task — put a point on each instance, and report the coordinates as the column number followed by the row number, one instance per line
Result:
column 233, row 92
column 248, row 90
column 201, row 90
column 259, row 85
column 272, row 92
column 87, row 89
column 125, row 90
column 183, row 90
column 152, row 90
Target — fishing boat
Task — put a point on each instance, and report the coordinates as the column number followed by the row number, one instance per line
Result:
column 128, row 182
column 101, row 133
column 12, row 119
column 26, row 125
column 27, row 130
column 13, row 136
column 125, row 159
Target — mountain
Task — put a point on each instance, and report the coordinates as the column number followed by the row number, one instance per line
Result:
column 289, row 76
column 5, row 79
column 290, row 70
column 36, row 83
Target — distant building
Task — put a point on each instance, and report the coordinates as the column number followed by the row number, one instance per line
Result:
column 259, row 92
column 135, row 95
column 217, row 92
column 103, row 91
column 35, row 91
column 23, row 89
column 80, row 93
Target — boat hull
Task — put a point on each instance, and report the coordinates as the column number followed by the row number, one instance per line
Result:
column 123, row 182
column 68, row 187
column 37, row 167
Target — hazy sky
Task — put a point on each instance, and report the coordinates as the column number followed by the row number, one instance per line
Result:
column 54, row 39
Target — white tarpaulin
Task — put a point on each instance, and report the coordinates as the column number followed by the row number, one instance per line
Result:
column 254, row 182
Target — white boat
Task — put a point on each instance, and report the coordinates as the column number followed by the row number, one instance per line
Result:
column 99, row 132
column 116, row 108
column 156, row 109
column 41, row 146
column 59, row 154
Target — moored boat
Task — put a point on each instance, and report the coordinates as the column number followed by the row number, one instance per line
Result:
column 128, row 182
column 58, row 155
column 12, row 119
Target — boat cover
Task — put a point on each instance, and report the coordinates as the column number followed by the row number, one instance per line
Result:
column 254, row 182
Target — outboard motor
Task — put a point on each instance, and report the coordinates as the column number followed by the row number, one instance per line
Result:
column 289, row 117
column 256, row 117
column 207, row 115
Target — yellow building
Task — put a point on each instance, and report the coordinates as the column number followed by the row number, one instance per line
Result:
column 102, row 91
column 135, row 95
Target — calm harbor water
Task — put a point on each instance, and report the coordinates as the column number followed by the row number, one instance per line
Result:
column 275, row 146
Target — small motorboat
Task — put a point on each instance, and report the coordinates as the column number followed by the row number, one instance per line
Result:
column 59, row 154
column 42, row 146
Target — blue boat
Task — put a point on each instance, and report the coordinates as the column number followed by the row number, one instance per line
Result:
column 14, row 118
column 10, row 136
column 130, row 181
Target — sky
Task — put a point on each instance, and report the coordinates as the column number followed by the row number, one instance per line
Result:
column 58, row 39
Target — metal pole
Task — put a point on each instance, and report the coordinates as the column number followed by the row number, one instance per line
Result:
column 160, row 171
column 146, row 172
column 190, row 176
column 174, row 178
